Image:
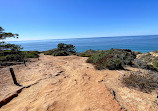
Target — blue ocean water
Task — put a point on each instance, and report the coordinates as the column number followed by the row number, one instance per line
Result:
column 136, row 43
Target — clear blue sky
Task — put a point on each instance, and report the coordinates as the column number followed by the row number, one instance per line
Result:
column 54, row 19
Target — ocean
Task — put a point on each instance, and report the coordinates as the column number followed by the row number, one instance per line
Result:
column 136, row 43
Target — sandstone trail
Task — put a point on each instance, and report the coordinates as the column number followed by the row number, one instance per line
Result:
column 57, row 84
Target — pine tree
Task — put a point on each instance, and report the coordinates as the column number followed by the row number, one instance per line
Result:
column 9, row 52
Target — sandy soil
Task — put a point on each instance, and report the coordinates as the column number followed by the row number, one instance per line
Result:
column 62, row 84
column 70, row 84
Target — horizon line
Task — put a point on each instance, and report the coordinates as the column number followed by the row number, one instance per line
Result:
column 81, row 37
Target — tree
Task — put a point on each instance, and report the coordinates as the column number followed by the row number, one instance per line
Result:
column 3, row 45
column 66, row 47
column 9, row 52
column 4, row 35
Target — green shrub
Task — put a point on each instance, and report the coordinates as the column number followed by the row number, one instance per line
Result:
column 14, row 57
column 147, row 61
column 88, row 53
column 147, row 57
column 31, row 54
column 62, row 50
column 155, row 65
column 61, row 53
column 112, row 59
column 17, row 56
column 144, row 81
column 49, row 52
column 66, row 47
column 2, row 58
column 9, row 55
column 140, row 64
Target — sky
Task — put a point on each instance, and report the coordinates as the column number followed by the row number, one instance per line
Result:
column 60, row 19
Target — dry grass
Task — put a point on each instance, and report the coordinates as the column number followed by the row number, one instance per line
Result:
column 146, row 81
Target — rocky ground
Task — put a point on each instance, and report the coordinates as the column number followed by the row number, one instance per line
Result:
column 69, row 84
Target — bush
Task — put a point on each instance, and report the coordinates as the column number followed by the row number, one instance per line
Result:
column 9, row 55
column 110, row 63
column 144, row 81
column 88, row 53
column 146, row 57
column 14, row 57
column 140, row 64
column 112, row 59
column 147, row 61
column 2, row 58
column 31, row 54
column 155, row 65
column 61, row 53
column 49, row 52
column 17, row 56
column 66, row 47
column 62, row 50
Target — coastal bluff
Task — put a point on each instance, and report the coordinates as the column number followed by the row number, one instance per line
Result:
column 68, row 83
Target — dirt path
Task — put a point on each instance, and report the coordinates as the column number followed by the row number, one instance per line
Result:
column 70, row 84
column 58, row 84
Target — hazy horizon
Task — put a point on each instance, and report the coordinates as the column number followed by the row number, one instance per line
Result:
column 13, row 39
